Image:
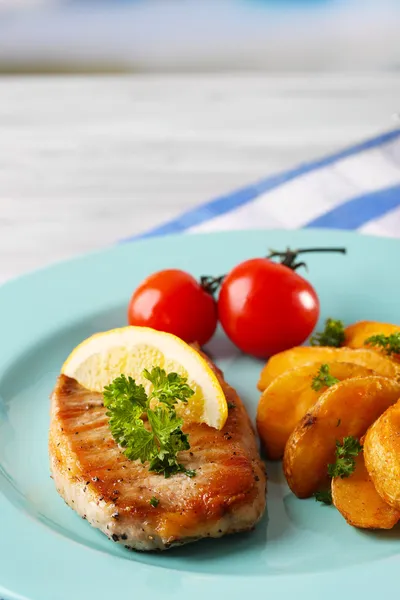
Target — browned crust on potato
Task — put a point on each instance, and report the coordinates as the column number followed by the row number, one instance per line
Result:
column 382, row 455
column 345, row 409
column 288, row 398
column 357, row 500
column 357, row 333
column 303, row 355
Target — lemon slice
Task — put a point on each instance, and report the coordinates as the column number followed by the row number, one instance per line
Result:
column 106, row 355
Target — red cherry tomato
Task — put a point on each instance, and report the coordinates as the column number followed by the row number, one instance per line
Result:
column 266, row 307
column 173, row 301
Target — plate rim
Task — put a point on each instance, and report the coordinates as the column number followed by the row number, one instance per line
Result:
column 149, row 240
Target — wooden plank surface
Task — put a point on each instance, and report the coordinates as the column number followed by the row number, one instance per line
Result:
column 86, row 161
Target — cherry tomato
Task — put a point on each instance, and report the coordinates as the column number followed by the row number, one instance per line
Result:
column 266, row 307
column 173, row 301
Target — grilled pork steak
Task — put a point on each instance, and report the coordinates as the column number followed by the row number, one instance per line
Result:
column 91, row 473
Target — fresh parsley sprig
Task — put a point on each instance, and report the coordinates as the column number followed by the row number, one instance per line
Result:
column 343, row 466
column 345, row 457
column 168, row 388
column 127, row 404
column 325, row 496
column 332, row 335
column 389, row 343
column 323, row 379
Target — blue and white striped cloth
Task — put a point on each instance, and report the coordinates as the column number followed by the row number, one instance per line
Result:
column 355, row 189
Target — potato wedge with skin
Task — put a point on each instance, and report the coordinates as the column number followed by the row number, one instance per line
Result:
column 357, row 333
column 287, row 399
column 382, row 455
column 357, row 500
column 347, row 408
column 303, row 355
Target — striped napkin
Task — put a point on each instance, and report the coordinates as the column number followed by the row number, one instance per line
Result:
column 355, row 189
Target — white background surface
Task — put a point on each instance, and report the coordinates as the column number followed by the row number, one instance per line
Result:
column 86, row 161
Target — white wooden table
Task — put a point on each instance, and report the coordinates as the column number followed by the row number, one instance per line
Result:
column 86, row 161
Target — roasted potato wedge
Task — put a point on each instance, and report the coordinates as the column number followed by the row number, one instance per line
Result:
column 382, row 455
column 357, row 500
column 356, row 334
column 347, row 408
column 287, row 399
column 303, row 355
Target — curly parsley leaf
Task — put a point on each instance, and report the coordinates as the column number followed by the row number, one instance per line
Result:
column 164, row 423
column 389, row 343
column 124, row 389
column 168, row 388
column 345, row 457
column 140, row 443
column 125, row 401
column 325, row 497
column 323, row 379
column 332, row 335
column 161, row 438
column 171, row 439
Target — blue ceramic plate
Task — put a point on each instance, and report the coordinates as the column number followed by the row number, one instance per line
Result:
column 300, row 549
